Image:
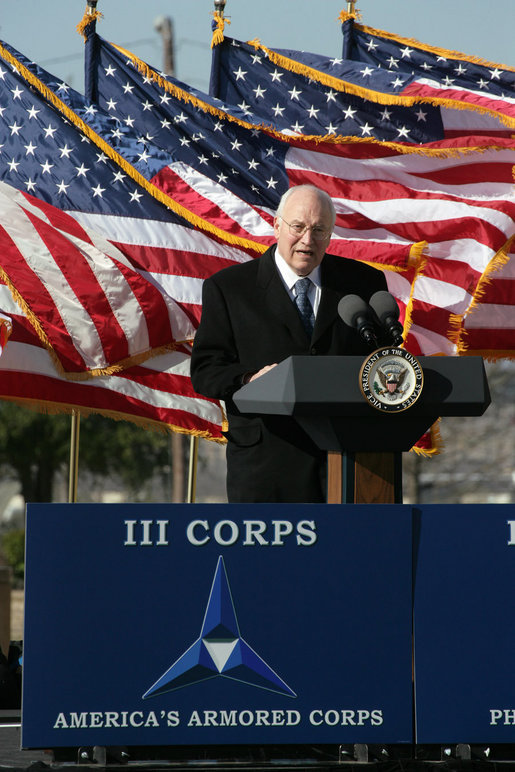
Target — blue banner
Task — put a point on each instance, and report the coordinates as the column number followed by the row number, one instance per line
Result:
column 217, row 624
column 464, row 624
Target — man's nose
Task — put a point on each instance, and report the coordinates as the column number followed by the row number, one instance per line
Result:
column 307, row 236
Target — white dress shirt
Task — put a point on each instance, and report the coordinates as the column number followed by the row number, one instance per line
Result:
column 289, row 278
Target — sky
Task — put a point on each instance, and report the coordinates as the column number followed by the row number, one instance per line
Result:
column 46, row 31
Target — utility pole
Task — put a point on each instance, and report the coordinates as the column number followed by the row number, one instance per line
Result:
column 164, row 25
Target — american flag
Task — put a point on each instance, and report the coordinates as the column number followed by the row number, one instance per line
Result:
column 448, row 202
column 62, row 191
column 487, row 90
column 483, row 92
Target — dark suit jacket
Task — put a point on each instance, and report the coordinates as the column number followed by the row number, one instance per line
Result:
column 249, row 321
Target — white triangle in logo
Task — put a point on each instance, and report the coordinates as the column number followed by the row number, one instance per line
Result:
column 220, row 651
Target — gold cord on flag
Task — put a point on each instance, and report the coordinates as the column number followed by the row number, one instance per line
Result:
column 218, row 33
column 88, row 18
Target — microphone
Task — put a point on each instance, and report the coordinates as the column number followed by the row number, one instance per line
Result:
column 386, row 309
column 356, row 313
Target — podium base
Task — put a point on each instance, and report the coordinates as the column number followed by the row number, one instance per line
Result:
column 364, row 478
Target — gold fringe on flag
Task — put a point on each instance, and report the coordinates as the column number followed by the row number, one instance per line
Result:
column 86, row 20
column 457, row 333
column 218, row 33
column 435, row 445
column 63, row 408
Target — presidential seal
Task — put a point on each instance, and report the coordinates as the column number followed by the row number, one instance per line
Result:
column 391, row 379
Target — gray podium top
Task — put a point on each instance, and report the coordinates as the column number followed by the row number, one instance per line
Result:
column 323, row 395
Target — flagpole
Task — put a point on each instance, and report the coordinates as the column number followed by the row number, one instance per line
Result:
column 192, row 470
column 219, row 7
column 74, row 458
column 350, row 6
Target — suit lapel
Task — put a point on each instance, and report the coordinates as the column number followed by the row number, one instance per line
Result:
column 328, row 308
column 275, row 299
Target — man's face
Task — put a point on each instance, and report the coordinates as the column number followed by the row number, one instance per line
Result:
column 303, row 253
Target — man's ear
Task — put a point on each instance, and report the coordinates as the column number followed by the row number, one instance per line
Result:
column 276, row 226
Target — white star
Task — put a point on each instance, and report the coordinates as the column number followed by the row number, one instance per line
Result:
column 81, row 170
column 61, row 188
column 17, row 92
column 235, row 145
column 29, row 149
column 460, row 70
column 421, row 115
column 65, row 151
column 482, row 83
column 495, row 74
column 180, row 118
column 147, row 105
column 277, row 110
column 110, row 70
column 271, row 183
column 2, row 73
column 371, row 45
column 403, row 131
column 349, row 112
column 118, row 177
column 270, row 152
column 50, row 131
column 245, row 107
column 397, row 83
column 202, row 159
column 386, row 114
column 32, row 112
column 117, row 134
column 101, row 158
column 15, row 128
column 98, row 191
column 165, row 98
column 276, row 75
column 297, row 127
column 135, row 196
column 240, row 74
column 367, row 71
column 294, row 94
column 366, row 130
column 144, row 156
column 259, row 91
column 222, row 178
column 111, row 104
column 334, row 62
column 165, row 124
column 330, row 129
column 91, row 110
column 46, row 167
column 312, row 112
column 129, row 121
column 63, row 87
column 256, row 59
column 13, row 165
column 448, row 81
column 218, row 126
column 392, row 62
column 427, row 66
column 253, row 164
column 406, row 52
column 330, row 95
column 128, row 89
column 185, row 141
column 30, row 185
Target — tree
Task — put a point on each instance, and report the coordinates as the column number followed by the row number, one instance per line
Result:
column 35, row 447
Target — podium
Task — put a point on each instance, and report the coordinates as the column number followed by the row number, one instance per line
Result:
column 364, row 445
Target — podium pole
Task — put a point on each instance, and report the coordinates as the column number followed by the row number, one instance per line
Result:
column 364, row 478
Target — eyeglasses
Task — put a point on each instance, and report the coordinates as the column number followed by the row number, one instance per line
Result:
column 298, row 230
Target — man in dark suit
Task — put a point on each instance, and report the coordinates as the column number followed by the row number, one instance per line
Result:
column 256, row 314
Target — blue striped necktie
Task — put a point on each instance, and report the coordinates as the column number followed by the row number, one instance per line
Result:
column 303, row 305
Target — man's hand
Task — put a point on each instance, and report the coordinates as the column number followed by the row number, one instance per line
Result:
column 261, row 372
